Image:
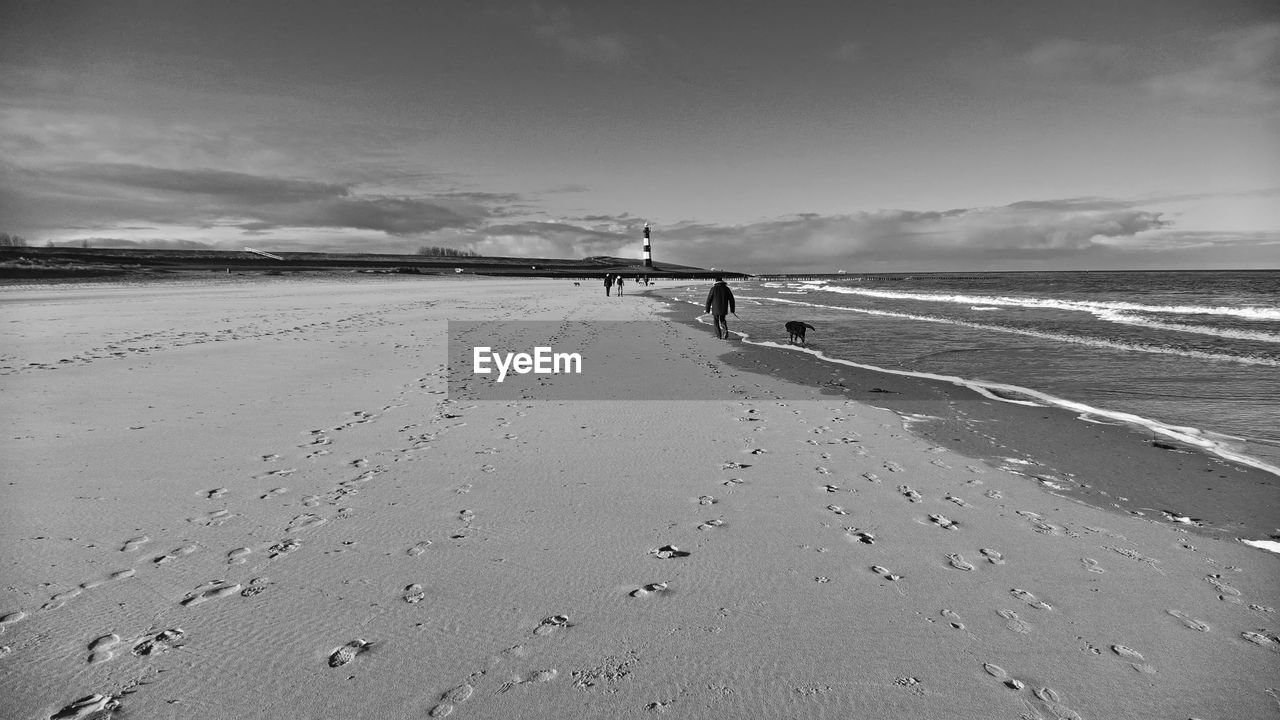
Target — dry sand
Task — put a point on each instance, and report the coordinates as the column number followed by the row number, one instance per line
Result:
column 255, row 500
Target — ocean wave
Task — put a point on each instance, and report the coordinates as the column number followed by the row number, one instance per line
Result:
column 1247, row 313
column 1018, row 395
column 1057, row 337
column 1128, row 318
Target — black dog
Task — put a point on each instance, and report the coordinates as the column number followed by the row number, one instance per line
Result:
column 797, row 328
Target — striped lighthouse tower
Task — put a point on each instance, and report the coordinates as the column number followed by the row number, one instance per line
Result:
column 648, row 255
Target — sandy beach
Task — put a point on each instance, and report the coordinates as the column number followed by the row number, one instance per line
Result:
column 257, row 498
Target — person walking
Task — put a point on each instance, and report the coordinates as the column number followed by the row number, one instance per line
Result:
column 608, row 284
column 619, row 281
column 719, row 304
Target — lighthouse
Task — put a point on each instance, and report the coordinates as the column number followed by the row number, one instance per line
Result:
column 648, row 255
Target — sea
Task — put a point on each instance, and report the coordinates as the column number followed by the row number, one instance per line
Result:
column 1191, row 356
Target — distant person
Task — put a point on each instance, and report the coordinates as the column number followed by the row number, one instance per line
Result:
column 619, row 281
column 608, row 284
column 719, row 304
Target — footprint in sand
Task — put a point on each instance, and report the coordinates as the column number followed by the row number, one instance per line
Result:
column 537, row 676
column 940, row 464
column 275, row 474
column 161, row 642
column 272, row 493
column 284, row 547
column 733, row 482
column 1136, row 661
column 910, row 494
column 306, row 521
column 714, row 523
column 861, row 536
column 10, row 618
column 892, row 466
column 1262, row 639
column 871, row 477
column 413, row 593
column 953, row 618
column 732, row 465
column 707, row 500
column 957, row 501
column 1228, row 593
column 1000, row 674
column 100, row 649
column 551, row 624
column 1091, row 565
column 257, row 586
column 451, row 698
column 311, row 501
column 174, row 554
column 60, row 599
column 958, row 562
column 1052, row 703
column 992, row 556
column 884, row 573
column 238, row 556
column 837, row 510
column 211, row 519
column 90, row 707
column 668, row 551
column 418, row 548
column 1026, row 597
column 994, row 494
column 1189, row 621
column 821, row 470
column 1013, row 622
column 649, row 590
column 134, row 543
column 944, row 522
column 217, row 589
column 215, row 493
column 348, row 652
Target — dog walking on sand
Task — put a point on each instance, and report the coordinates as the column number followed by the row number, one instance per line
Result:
column 796, row 329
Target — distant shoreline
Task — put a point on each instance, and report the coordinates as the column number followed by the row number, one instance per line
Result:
column 23, row 263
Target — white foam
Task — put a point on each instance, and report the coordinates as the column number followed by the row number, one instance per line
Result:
column 1247, row 313
column 1057, row 337
column 1127, row 318
column 1268, row 545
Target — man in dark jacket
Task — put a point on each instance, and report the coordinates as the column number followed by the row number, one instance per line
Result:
column 719, row 304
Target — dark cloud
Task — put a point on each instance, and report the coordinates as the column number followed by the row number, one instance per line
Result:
column 111, row 194
column 231, row 186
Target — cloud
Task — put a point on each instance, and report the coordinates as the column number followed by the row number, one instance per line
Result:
column 557, row 29
column 1241, row 73
column 971, row 238
column 848, row 52
column 233, row 187
column 1228, row 73
column 108, row 195
column 1076, row 59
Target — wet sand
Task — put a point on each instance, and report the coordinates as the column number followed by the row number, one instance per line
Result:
column 257, row 500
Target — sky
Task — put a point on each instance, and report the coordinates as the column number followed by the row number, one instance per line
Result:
column 753, row 136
